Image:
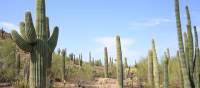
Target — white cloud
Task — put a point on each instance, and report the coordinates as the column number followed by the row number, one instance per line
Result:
column 198, row 28
column 148, row 23
column 9, row 26
column 109, row 42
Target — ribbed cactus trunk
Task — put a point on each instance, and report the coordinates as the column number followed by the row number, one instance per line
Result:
column 155, row 66
column 17, row 64
column 105, row 62
column 190, row 43
column 90, row 58
column 63, row 54
column 111, row 63
column 186, row 49
column 197, row 60
column 35, row 40
column 185, row 72
column 81, row 60
column 166, row 73
column 150, row 69
column 125, row 62
column 180, row 70
column 119, row 63
column 59, row 51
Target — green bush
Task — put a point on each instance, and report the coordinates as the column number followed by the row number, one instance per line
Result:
column 7, row 60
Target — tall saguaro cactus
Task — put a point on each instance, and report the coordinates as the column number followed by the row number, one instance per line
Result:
column 197, row 60
column 185, row 71
column 63, row 54
column 155, row 66
column 150, row 68
column 17, row 64
column 166, row 76
column 125, row 63
column 180, row 70
column 119, row 63
column 35, row 40
column 90, row 58
column 106, row 62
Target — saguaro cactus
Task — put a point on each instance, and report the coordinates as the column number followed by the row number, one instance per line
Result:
column 90, row 58
column 17, row 64
column 166, row 76
column 150, row 68
column 119, row 63
column 63, row 54
column 125, row 63
column 80, row 59
column 197, row 60
column 185, row 72
column 35, row 40
column 105, row 62
column 180, row 70
column 155, row 66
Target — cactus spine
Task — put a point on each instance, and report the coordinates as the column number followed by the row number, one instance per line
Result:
column 63, row 54
column 166, row 62
column 155, row 66
column 150, row 68
column 105, row 62
column 35, row 40
column 119, row 63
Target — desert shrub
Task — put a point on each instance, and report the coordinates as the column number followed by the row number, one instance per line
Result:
column 73, row 72
column 7, row 60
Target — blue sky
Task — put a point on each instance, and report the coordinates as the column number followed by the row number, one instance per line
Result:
column 90, row 25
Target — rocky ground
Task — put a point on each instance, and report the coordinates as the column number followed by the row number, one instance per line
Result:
column 97, row 83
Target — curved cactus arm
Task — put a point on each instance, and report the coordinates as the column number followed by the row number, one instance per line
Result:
column 47, row 27
column 22, row 29
column 30, row 34
column 20, row 41
column 52, row 42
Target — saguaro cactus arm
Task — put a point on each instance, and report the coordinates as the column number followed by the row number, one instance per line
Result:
column 30, row 35
column 52, row 42
column 21, row 42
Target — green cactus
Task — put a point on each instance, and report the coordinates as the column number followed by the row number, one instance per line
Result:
column 166, row 74
column 35, row 40
column 186, row 50
column 180, row 70
column 111, row 63
column 150, row 69
column 185, row 72
column 155, row 66
column 63, row 54
column 81, row 60
column 90, row 58
column 59, row 51
column 197, row 60
column 125, row 62
column 105, row 62
column 17, row 64
column 119, row 62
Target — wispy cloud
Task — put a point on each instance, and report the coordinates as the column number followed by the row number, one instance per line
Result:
column 198, row 28
column 148, row 23
column 9, row 26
